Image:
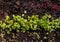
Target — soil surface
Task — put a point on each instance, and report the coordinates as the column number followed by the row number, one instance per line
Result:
column 30, row 7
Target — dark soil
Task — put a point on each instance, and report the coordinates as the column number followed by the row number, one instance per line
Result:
column 40, row 7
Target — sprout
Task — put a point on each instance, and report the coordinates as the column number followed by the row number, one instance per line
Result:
column 22, row 14
column 25, row 11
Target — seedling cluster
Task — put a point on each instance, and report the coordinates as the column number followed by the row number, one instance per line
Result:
column 18, row 23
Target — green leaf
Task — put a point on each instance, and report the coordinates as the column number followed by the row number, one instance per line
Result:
column 3, row 25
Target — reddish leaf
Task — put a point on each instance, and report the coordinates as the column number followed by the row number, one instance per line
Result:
column 55, row 7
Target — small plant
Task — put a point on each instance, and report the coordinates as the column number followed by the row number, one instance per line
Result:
column 33, row 22
column 47, row 24
column 38, row 36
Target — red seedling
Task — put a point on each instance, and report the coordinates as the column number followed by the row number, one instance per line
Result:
column 38, row 5
column 55, row 7
column 32, row 5
column 45, row 5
